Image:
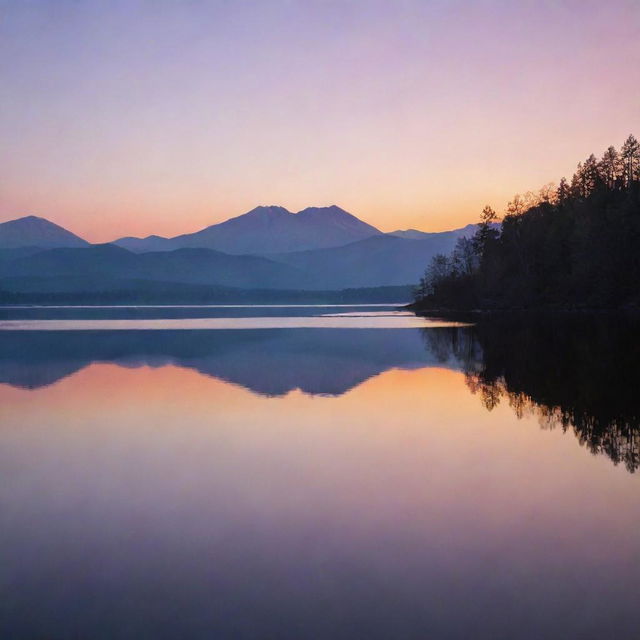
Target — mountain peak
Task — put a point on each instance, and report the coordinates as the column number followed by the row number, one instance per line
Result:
column 270, row 210
column 30, row 220
column 34, row 231
column 332, row 209
column 335, row 216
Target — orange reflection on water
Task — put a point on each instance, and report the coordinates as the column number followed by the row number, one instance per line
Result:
column 402, row 478
column 401, row 433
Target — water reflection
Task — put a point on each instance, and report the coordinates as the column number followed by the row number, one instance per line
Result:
column 268, row 362
column 144, row 496
column 579, row 373
column 576, row 373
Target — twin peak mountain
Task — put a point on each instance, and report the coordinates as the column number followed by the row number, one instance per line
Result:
column 267, row 230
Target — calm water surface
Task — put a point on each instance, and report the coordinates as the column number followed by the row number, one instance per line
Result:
column 334, row 472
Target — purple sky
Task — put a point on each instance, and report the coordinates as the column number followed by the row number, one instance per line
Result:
column 130, row 118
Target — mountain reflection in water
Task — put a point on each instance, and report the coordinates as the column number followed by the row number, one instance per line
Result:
column 577, row 373
column 320, row 483
column 268, row 362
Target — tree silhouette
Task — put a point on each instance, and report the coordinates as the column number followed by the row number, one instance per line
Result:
column 575, row 372
column 630, row 153
column 576, row 246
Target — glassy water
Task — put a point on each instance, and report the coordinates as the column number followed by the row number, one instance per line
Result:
column 316, row 476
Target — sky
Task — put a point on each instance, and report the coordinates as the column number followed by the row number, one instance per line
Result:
column 137, row 117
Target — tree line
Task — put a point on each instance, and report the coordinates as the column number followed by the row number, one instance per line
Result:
column 571, row 245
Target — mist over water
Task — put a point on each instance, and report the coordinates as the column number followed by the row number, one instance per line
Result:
column 423, row 481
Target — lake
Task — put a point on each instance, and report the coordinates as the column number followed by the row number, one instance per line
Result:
column 317, row 472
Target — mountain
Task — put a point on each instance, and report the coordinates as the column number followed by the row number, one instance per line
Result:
column 266, row 230
column 409, row 234
column 383, row 260
column 414, row 234
column 32, row 231
column 373, row 260
column 150, row 243
column 98, row 266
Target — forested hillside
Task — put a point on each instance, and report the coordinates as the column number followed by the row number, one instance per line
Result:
column 574, row 245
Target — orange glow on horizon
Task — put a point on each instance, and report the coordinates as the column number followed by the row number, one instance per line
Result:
column 134, row 121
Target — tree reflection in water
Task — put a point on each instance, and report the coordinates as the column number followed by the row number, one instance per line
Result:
column 577, row 372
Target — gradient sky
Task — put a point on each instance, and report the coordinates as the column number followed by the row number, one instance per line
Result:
column 136, row 117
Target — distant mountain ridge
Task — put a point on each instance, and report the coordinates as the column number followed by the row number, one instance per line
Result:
column 414, row 234
column 386, row 260
column 98, row 266
column 373, row 262
column 264, row 230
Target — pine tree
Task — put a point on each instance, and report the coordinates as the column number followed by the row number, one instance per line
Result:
column 610, row 167
column 630, row 154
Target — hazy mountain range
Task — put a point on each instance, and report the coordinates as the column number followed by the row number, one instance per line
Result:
column 268, row 248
